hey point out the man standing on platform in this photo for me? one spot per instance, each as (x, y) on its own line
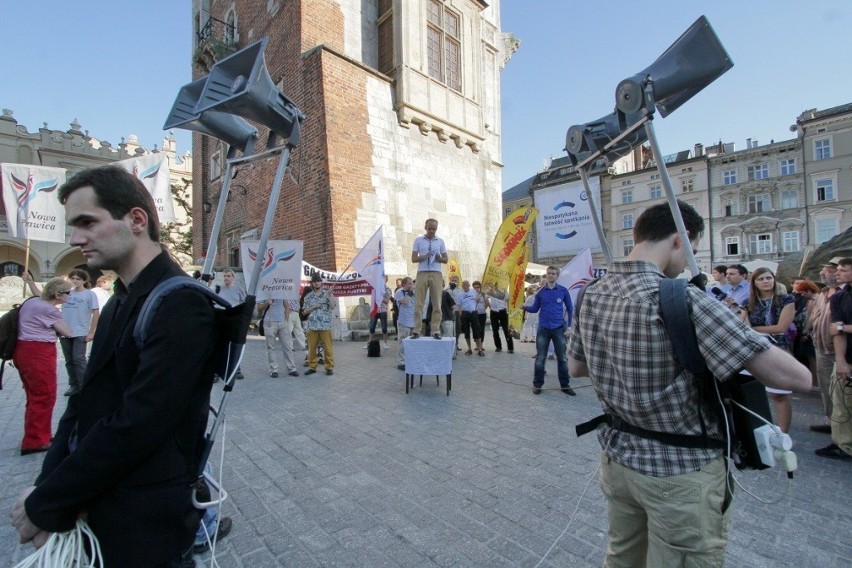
(429, 252)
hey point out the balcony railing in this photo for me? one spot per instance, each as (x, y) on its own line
(216, 39)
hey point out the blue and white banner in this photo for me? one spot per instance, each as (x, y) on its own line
(33, 210)
(280, 273)
(564, 225)
(153, 171)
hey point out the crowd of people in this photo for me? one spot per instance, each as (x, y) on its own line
(94, 461)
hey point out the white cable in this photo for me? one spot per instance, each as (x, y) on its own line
(765, 501)
(66, 550)
(728, 453)
(576, 507)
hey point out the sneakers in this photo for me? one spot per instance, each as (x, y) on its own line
(569, 391)
(499, 349)
(223, 529)
(329, 372)
(240, 376)
(536, 390)
(294, 373)
(310, 371)
(832, 451)
(482, 353)
(385, 345)
(414, 336)
(510, 351)
(274, 374)
(436, 336)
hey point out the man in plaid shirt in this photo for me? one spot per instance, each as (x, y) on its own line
(665, 503)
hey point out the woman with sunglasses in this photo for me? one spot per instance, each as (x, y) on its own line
(39, 323)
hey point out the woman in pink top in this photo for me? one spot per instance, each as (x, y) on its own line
(35, 358)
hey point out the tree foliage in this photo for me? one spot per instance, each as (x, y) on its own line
(177, 235)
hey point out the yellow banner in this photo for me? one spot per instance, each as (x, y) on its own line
(454, 270)
(507, 250)
(516, 291)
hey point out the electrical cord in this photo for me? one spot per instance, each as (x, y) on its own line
(67, 550)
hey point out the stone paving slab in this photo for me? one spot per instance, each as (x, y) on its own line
(348, 470)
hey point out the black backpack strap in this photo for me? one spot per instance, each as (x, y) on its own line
(680, 440)
(155, 298)
(675, 311)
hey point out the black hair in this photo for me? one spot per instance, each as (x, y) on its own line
(656, 223)
(116, 190)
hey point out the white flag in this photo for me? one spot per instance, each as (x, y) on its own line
(370, 263)
(280, 273)
(33, 210)
(153, 171)
(577, 274)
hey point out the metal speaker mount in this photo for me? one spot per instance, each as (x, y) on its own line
(693, 61)
(241, 85)
(583, 140)
(233, 130)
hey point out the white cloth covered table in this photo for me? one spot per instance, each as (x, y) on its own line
(429, 356)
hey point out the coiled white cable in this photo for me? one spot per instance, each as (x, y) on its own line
(67, 550)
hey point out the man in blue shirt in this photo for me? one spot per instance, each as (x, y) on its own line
(554, 305)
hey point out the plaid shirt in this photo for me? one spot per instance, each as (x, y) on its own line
(620, 336)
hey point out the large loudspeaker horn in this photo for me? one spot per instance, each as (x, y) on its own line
(691, 63)
(583, 140)
(232, 130)
(240, 84)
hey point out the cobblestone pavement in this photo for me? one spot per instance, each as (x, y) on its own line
(348, 470)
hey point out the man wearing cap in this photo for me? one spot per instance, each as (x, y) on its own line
(823, 340)
(317, 307)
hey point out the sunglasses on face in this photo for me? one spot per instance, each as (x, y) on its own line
(65, 292)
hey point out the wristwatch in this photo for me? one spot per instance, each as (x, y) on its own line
(840, 327)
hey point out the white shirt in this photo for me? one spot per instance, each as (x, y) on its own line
(422, 246)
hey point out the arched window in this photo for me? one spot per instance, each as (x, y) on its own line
(11, 269)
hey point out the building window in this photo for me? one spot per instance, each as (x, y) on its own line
(788, 167)
(627, 196)
(625, 182)
(760, 244)
(507, 211)
(655, 176)
(215, 165)
(627, 221)
(789, 199)
(385, 23)
(825, 190)
(822, 149)
(760, 171)
(732, 208)
(687, 184)
(656, 191)
(758, 203)
(443, 44)
(732, 246)
(230, 36)
(729, 177)
(825, 230)
(627, 246)
(791, 241)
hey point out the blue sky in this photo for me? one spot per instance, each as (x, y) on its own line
(117, 66)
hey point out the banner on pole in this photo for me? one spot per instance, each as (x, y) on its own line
(577, 274)
(506, 249)
(565, 225)
(33, 210)
(370, 263)
(516, 291)
(454, 270)
(280, 276)
(153, 171)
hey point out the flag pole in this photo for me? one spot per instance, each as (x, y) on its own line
(348, 266)
(26, 266)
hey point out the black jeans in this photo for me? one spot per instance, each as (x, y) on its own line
(500, 320)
